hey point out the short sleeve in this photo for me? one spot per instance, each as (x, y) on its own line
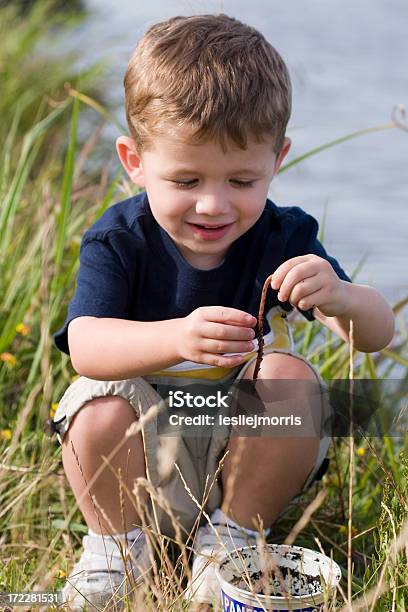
(102, 288)
(302, 240)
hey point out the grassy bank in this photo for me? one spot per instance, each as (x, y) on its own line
(48, 196)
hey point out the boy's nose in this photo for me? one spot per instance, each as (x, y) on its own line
(214, 204)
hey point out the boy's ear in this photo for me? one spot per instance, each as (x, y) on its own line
(282, 154)
(130, 159)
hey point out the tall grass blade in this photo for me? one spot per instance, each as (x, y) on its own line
(337, 141)
(63, 217)
(30, 147)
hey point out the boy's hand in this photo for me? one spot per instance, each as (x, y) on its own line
(210, 331)
(309, 281)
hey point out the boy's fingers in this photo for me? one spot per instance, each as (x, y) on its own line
(218, 331)
(223, 361)
(220, 347)
(229, 316)
(284, 269)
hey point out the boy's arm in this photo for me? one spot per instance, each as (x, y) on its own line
(117, 349)
(373, 319)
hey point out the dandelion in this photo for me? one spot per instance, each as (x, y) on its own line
(61, 574)
(8, 358)
(5, 434)
(23, 329)
(361, 451)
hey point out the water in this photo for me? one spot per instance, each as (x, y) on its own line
(348, 63)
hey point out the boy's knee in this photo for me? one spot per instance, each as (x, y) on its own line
(286, 378)
(104, 414)
(283, 366)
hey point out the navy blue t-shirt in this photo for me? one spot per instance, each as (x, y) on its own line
(131, 269)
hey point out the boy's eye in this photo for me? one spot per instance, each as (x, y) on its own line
(243, 183)
(186, 184)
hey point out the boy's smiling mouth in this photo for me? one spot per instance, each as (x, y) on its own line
(210, 231)
(209, 225)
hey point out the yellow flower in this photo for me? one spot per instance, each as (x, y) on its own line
(343, 529)
(61, 574)
(53, 409)
(361, 451)
(8, 358)
(23, 329)
(5, 434)
(74, 245)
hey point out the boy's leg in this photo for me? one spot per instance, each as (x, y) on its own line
(261, 475)
(270, 471)
(94, 432)
(158, 452)
(91, 420)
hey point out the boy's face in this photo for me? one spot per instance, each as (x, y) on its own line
(204, 198)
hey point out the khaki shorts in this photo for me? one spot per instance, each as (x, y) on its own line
(196, 457)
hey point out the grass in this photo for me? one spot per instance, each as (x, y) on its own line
(49, 193)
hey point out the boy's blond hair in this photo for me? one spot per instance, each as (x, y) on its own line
(210, 73)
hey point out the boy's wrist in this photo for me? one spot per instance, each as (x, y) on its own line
(175, 333)
(353, 298)
(342, 303)
(165, 342)
(349, 300)
(356, 295)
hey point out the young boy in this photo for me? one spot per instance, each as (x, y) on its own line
(169, 285)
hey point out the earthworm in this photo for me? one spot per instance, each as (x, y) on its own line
(259, 356)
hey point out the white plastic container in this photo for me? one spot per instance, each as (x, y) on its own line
(308, 576)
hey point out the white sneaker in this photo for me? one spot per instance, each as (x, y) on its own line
(99, 576)
(209, 546)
